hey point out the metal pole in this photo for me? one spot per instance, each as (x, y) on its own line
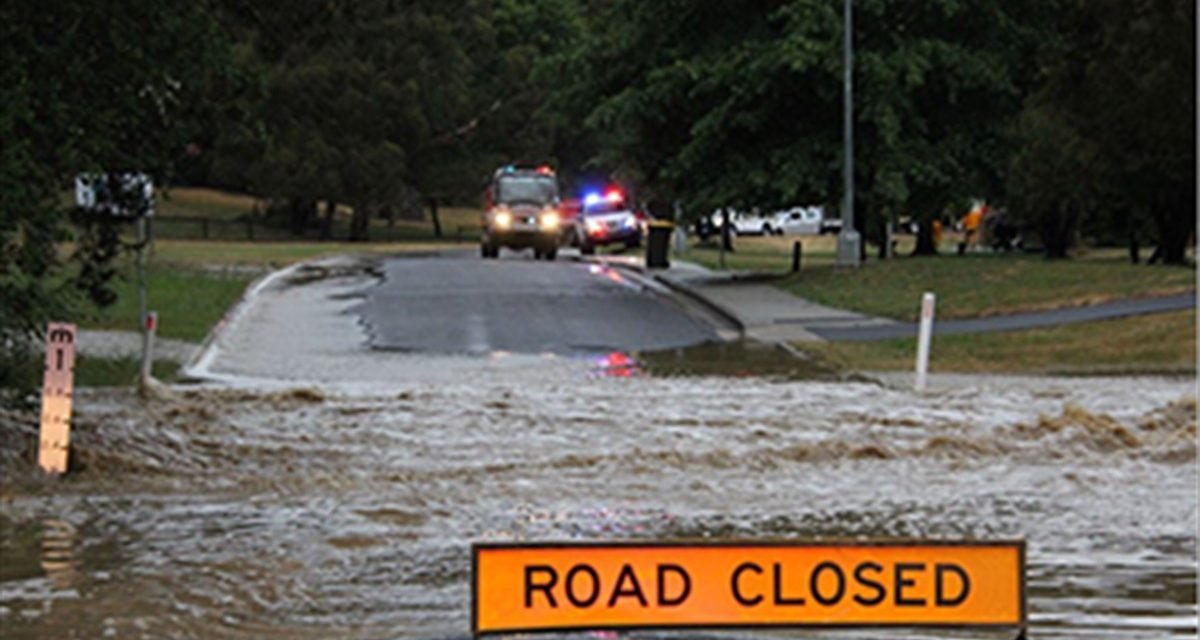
(848, 238)
(797, 248)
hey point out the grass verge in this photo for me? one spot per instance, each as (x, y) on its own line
(1160, 343)
(120, 372)
(201, 213)
(970, 286)
(984, 285)
(189, 300)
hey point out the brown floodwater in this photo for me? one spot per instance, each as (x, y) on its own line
(266, 511)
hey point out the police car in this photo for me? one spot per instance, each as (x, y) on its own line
(607, 218)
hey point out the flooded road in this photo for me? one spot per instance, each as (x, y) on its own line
(328, 489)
(292, 513)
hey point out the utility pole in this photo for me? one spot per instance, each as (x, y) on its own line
(848, 254)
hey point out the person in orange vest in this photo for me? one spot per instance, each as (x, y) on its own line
(971, 224)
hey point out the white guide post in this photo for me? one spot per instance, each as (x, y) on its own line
(924, 335)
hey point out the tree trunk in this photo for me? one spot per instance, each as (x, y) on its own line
(925, 245)
(360, 224)
(726, 231)
(433, 215)
(327, 225)
(1175, 230)
(1058, 228)
(300, 215)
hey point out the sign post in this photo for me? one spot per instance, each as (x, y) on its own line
(522, 588)
(924, 336)
(58, 385)
(149, 328)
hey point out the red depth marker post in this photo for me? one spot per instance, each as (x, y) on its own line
(58, 385)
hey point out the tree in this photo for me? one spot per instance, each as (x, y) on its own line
(1118, 96)
(85, 87)
(384, 105)
(740, 104)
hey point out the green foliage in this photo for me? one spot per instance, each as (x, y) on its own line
(86, 87)
(382, 105)
(741, 103)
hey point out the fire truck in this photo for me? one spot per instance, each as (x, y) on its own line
(522, 212)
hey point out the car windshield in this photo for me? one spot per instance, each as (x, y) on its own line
(604, 207)
(538, 190)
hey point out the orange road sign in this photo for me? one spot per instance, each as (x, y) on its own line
(565, 586)
(58, 385)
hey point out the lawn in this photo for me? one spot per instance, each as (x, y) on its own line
(1161, 343)
(982, 285)
(269, 255)
(967, 286)
(189, 300)
(201, 213)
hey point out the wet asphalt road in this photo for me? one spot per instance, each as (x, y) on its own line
(463, 304)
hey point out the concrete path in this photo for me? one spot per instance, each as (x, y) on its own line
(770, 314)
(761, 311)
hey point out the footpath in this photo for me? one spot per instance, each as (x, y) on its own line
(767, 313)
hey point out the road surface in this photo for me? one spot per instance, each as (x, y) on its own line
(460, 304)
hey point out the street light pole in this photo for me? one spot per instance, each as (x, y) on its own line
(849, 249)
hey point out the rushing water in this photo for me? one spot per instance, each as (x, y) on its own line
(290, 512)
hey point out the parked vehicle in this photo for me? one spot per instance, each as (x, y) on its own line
(806, 221)
(608, 219)
(799, 221)
(522, 212)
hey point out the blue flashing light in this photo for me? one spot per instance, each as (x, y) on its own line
(591, 199)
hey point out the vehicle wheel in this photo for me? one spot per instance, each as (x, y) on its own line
(488, 251)
(777, 231)
(587, 249)
(633, 244)
(551, 254)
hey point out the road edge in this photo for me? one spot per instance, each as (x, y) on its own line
(714, 308)
(196, 368)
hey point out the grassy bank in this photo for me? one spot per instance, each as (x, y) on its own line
(967, 286)
(189, 300)
(201, 213)
(983, 285)
(1161, 343)
(119, 372)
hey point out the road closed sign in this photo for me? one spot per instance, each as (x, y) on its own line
(569, 586)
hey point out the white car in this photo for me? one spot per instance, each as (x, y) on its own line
(805, 221)
(745, 224)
